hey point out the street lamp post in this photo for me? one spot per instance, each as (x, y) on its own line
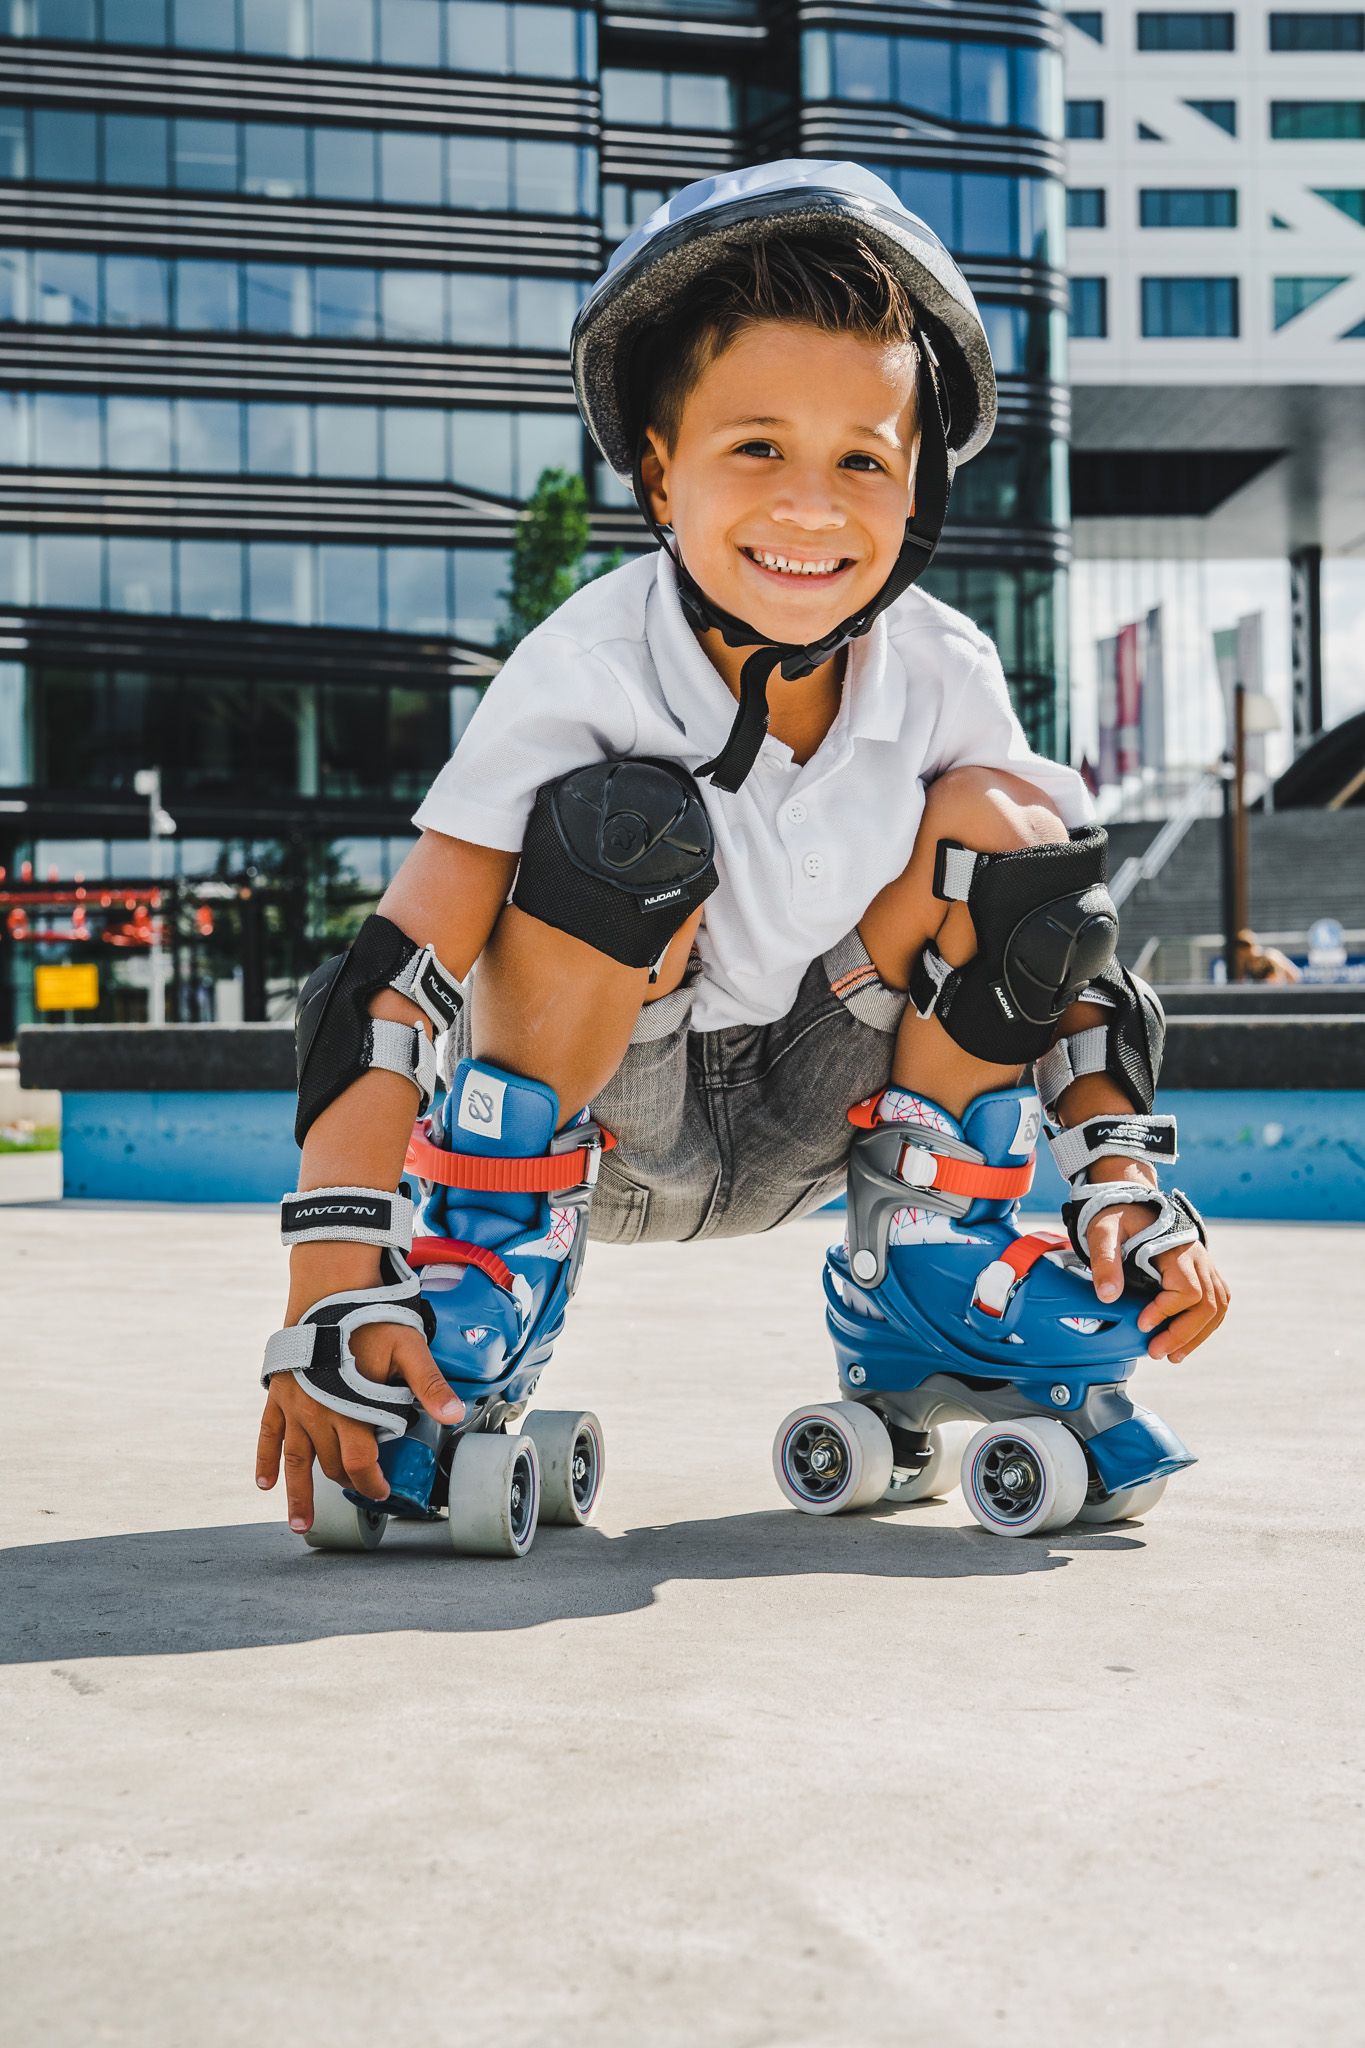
(1252, 712)
(160, 824)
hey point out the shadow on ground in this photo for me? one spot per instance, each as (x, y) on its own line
(180, 1591)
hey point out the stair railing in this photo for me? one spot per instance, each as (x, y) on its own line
(1145, 867)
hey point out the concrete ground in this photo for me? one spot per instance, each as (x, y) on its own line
(710, 1773)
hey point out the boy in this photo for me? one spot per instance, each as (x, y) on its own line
(787, 364)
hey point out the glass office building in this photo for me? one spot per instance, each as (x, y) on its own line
(285, 292)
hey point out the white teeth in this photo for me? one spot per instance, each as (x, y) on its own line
(795, 568)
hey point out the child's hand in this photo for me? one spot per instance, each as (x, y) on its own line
(301, 1429)
(1194, 1295)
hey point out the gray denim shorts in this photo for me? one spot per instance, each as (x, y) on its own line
(720, 1133)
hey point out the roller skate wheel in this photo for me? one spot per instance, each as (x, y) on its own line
(1129, 1503)
(338, 1524)
(832, 1457)
(569, 1445)
(494, 1495)
(1023, 1478)
(937, 1479)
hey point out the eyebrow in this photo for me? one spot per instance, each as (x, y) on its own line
(756, 419)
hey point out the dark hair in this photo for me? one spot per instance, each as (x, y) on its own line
(841, 287)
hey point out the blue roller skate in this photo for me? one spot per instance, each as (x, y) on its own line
(945, 1315)
(499, 1246)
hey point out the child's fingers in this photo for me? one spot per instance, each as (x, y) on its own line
(1183, 1332)
(422, 1374)
(1182, 1284)
(269, 1444)
(1215, 1290)
(298, 1477)
(359, 1455)
(1106, 1261)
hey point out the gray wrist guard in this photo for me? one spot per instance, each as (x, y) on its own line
(1177, 1222)
(318, 1351)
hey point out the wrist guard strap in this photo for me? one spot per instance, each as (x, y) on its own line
(347, 1216)
(1076, 1150)
(318, 1352)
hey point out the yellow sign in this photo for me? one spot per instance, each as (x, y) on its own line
(75, 986)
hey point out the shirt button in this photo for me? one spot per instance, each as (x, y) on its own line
(814, 865)
(796, 814)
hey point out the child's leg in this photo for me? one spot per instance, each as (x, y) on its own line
(555, 1009)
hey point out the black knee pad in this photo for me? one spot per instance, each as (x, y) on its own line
(1045, 925)
(335, 1038)
(618, 854)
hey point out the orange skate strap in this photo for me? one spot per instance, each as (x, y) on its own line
(950, 1176)
(453, 1251)
(986, 1183)
(545, 1175)
(995, 1284)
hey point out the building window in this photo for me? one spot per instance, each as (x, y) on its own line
(977, 85)
(1294, 295)
(500, 453)
(1348, 200)
(1171, 206)
(525, 37)
(1026, 341)
(1317, 120)
(1089, 21)
(1089, 308)
(1085, 120)
(276, 160)
(1159, 30)
(1190, 308)
(983, 213)
(1317, 31)
(79, 288)
(1085, 206)
(668, 99)
(1222, 113)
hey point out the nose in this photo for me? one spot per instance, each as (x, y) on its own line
(807, 501)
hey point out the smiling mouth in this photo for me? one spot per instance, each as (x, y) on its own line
(792, 569)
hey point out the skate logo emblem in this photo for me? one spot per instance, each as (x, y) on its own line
(1029, 1125)
(481, 1100)
(1003, 1000)
(664, 896)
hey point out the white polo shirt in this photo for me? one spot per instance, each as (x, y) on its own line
(800, 850)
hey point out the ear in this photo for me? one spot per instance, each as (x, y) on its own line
(654, 473)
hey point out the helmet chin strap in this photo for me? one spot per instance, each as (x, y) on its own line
(932, 483)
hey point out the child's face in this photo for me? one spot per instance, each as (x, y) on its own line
(797, 444)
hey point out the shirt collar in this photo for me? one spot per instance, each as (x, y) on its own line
(695, 694)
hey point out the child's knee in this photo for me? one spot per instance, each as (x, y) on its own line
(990, 811)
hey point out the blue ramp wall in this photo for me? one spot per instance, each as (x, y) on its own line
(1270, 1153)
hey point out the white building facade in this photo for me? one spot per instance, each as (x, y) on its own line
(1216, 252)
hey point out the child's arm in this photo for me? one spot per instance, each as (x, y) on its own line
(448, 895)
(1194, 1296)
